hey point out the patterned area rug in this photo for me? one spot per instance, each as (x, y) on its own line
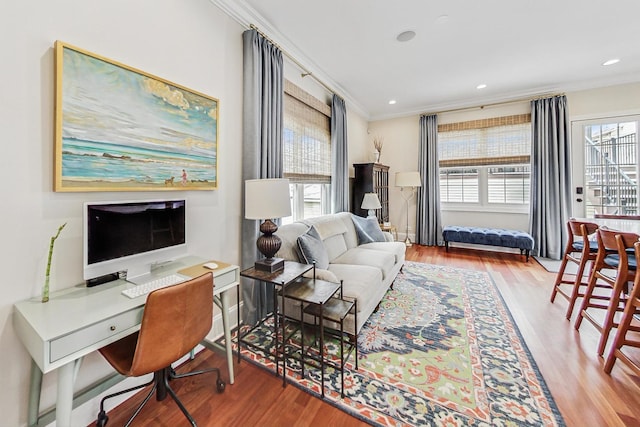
(442, 350)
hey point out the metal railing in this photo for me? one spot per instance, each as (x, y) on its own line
(608, 166)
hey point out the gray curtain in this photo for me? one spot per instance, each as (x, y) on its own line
(550, 176)
(263, 88)
(339, 157)
(428, 217)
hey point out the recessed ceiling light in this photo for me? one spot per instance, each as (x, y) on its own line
(442, 19)
(393, 101)
(405, 36)
(481, 86)
(611, 62)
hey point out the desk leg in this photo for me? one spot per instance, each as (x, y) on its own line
(64, 401)
(238, 334)
(35, 388)
(224, 297)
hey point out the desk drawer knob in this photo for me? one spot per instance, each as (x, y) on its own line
(112, 328)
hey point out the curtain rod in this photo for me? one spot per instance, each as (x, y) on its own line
(305, 72)
(494, 104)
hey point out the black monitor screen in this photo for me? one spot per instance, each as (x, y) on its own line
(122, 229)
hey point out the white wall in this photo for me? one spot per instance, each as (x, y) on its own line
(604, 102)
(400, 152)
(596, 104)
(191, 43)
(401, 138)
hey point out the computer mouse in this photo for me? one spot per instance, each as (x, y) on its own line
(210, 265)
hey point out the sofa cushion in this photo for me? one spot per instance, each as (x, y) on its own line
(367, 229)
(357, 282)
(378, 259)
(330, 228)
(335, 246)
(398, 249)
(311, 249)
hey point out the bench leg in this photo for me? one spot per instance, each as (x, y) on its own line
(527, 255)
(446, 246)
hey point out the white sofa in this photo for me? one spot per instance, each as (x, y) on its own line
(367, 270)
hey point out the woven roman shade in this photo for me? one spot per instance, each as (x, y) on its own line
(495, 141)
(307, 137)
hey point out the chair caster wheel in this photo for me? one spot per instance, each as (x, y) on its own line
(220, 386)
(102, 419)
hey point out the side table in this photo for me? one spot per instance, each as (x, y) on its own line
(314, 293)
(291, 273)
(334, 310)
(391, 229)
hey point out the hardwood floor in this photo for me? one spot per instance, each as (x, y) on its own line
(567, 359)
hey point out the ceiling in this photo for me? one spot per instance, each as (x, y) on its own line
(518, 48)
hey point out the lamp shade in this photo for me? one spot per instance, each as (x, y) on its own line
(371, 201)
(408, 179)
(266, 198)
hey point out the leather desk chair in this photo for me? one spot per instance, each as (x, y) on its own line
(580, 250)
(174, 321)
(621, 339)
(614, 248)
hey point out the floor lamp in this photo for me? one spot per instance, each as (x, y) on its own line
(408, 181)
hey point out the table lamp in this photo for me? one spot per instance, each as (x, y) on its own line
(408, 180)
(371, 202)
(267, 199)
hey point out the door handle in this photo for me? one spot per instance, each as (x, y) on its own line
(579, 200)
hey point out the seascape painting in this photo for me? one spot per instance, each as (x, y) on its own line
(119, 129)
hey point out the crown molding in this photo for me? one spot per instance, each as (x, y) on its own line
(246, 16)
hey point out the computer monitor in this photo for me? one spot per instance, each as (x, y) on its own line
(132, 236)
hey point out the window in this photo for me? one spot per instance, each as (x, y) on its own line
(307, 153)
(485, 162)
(611, 166)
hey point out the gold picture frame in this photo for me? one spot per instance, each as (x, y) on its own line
(121, 129)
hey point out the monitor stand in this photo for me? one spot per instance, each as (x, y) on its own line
(140, 274)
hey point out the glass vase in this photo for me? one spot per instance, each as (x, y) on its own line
(45, 289)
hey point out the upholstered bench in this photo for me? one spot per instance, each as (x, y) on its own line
(488, 236)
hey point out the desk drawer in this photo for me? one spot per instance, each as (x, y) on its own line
(93, 334)
(225, 279)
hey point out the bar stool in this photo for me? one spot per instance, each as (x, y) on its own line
(621, 340)
(613, 253)
(580, 242)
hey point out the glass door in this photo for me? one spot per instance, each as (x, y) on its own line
(610, 166)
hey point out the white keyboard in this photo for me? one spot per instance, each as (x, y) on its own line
(152, 285)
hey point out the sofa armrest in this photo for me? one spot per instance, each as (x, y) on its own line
(322, 274)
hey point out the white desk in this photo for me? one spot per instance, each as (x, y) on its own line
(79, 320)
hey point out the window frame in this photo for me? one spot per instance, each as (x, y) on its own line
(299, 179)
(484, 164)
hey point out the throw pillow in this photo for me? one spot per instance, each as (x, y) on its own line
(311, 248)
(367, 229)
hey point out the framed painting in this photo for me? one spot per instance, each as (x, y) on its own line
(121, 129)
